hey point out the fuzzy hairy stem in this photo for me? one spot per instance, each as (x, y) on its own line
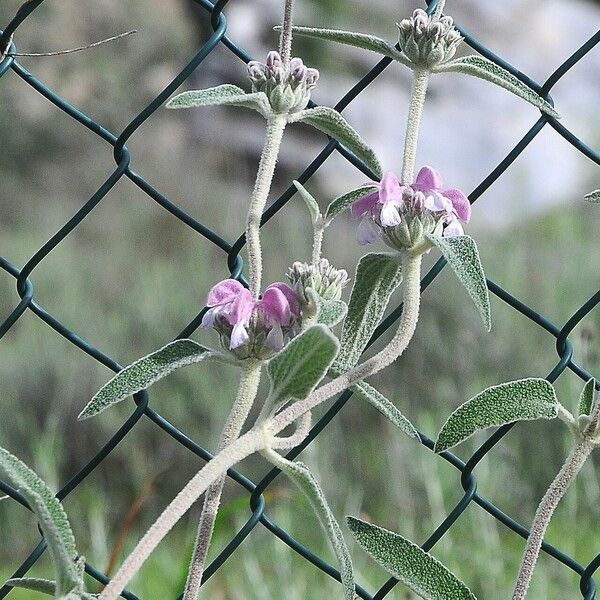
(262, 187)
(415, 113)
(319, 230)
(411, 271)
(576, 459)
(285, 39)
(242, 405)
(249, 443)
(437, 13)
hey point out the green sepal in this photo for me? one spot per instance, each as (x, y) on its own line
(522, 400)
(301, 475)
(417, 569)
(586, 400)
(330, 122)
(462, 255)
(377, 276)
(52, 519)
(376, 399)
(144, 372)
(302, 364)
(347, 200)
(311, 204)
(222, 95)
(483, 68)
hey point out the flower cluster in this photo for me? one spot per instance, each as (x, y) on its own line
(401, 215)
(252, 328)
(327, 281)
(287, 86)
(428, 41)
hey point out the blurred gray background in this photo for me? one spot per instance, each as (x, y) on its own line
(132, 276)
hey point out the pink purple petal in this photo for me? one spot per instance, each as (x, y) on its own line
(274, 338)
(275, 304)
(365, 205)
(224, 292)
(241, 308)
(290, 295)
(389, 216)
(239, 336)
(436, 202)
(428, 179)
(367, 232)
(460, 203)
(390, 189)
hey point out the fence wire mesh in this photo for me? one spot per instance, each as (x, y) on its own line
(143, 410)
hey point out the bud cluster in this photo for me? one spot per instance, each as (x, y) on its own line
(287, 86)
(327, 281)
(428, 41)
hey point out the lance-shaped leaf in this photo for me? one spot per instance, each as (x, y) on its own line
(357, 40)
(385, 407)
(347, 200)
(483, 68)
(418, 570)
(52, 519)
(144, 372)
(300, 474)
(329, 312)
(522, 400)
(586, 400)
(330, 122)
(302, 364)
(593, 196)
(377, 276)
(45, 586)
(462, 255)
(311, 203)
(227, 95)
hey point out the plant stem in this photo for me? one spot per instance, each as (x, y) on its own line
(264, 178)
(411, 271)
(249, 443)
(576, 459)
(246, 395)
(415, 113)
(319, 230)
(285, 40)
(437, 13)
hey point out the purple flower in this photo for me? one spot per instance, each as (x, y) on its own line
(394, 203)
(234, 313)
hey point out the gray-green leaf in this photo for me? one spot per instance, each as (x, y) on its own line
(331, 312)
(479, 66)
(302, 364)
(593, 196)
(385, 407)
(358, 40)
(586, 400)
(343, 202)
(311, 203)
(418, 570)
(522, 400)
(304, 479)
(52, 518)
(45, 586)
(462, 255)
(144, 372)
(330, 122)
(227, 94)
(377, 276)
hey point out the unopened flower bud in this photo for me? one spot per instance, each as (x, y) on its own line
(327, 281)
(312, 76)
(273, 59)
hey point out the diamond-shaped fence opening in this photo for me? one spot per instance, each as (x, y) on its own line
(27, 300)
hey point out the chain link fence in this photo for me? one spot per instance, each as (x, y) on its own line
(231, 252)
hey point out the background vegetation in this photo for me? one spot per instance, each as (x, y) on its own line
(131, 277)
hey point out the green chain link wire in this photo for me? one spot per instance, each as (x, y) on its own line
(235, 266)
